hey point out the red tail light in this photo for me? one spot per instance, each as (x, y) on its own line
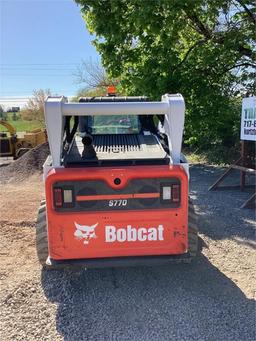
(58, 197)
(176, 193)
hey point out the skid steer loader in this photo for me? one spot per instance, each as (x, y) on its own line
(117, 189)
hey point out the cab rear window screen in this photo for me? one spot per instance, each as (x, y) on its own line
(112, 124)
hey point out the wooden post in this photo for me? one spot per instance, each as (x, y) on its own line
(242, 173)
(247, 161)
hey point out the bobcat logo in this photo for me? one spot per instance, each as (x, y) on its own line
(85, 232)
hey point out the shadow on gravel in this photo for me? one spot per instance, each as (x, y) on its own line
(219, 212)
(176, 302)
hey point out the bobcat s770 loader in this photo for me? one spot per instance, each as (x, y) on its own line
(116, 184)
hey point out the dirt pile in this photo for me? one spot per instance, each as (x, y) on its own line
(27, 165)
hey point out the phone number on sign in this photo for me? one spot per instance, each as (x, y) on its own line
(249, 123)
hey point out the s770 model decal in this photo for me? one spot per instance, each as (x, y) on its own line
(117, 203)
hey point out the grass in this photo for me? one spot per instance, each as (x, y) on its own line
(215, 155)
(21, 125)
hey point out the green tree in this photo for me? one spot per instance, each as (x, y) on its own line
(204, 49)
(15, 116)
(94, 80)
(1, 112)
(34, 109)
(93, 75)
(3, 115)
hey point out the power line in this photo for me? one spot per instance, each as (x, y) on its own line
(43, 75)
(18, 99)
(14, 97)
(30, 91)
(39, 64)
(30, 94)
(40, 69)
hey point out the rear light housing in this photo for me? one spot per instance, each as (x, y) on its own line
(63, 197)
(176, 193)
(167, 193)
(66, 196)
(170, 193)
(58, 197)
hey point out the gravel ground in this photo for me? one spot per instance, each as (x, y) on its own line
(211, 299)
(25, 166)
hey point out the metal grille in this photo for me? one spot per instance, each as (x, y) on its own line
(116, 143)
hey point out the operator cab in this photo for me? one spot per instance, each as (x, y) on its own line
(117, 140)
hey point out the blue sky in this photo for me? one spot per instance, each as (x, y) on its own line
(41, 44)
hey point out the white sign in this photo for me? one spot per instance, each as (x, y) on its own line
(248, 120)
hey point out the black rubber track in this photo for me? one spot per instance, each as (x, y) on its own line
(41, 235)
(192, 231)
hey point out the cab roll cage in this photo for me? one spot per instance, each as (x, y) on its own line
(58, 114)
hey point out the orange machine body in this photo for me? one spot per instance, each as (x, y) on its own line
(115, 230)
